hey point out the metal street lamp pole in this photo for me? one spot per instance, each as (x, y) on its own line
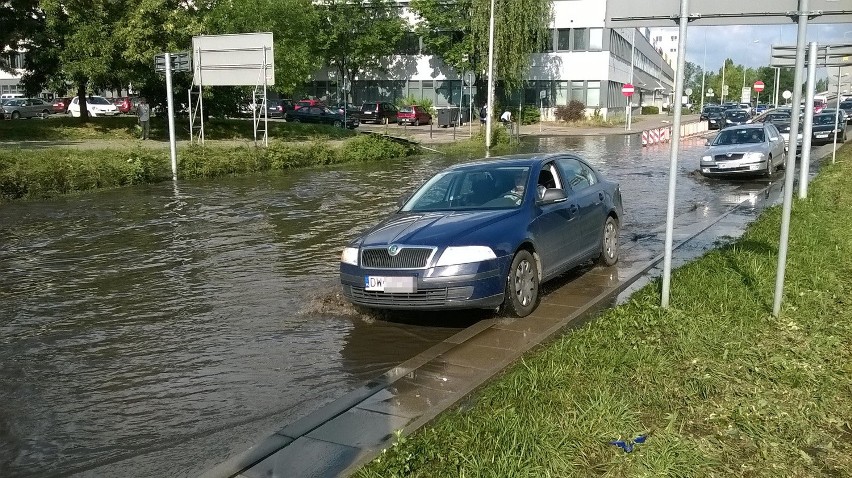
(703, 72)
(490, 98)
(722, 99)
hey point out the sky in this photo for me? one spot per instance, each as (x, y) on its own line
(751, 45)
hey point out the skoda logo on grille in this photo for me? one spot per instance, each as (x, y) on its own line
(730, 154)
(393, 249)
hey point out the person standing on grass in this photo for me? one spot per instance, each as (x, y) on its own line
(144, 113)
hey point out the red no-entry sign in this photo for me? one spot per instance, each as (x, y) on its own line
(758, 86)
(627, 89)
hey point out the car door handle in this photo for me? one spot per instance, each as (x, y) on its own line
(573, 209)
(600, 196)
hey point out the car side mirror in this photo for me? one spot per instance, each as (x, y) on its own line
(707, 143)
(552, 195)
(773, 138)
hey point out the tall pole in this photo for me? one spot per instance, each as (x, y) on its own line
(675, 144)
(790, 167)
(489, 111)
(171, 107)
(632, 66)
(836, 111)
(703, 72)
(722, 99)
(810, 89)
(777, 86)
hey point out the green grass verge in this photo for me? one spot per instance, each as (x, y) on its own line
(125, 127)
(40, 173)
(720, 387)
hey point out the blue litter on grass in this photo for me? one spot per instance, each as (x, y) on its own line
(627, 445)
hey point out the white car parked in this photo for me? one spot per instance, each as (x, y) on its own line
(97, 106)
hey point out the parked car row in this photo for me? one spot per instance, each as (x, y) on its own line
(378, 112)
(16, 108)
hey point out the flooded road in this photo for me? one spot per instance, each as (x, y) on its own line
(163, 329)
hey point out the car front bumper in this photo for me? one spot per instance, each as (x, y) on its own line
(479, 285)
(732, 167)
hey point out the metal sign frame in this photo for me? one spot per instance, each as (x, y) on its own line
(833, 54)
(629, 13)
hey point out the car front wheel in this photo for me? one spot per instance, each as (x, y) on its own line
(770, 167)
(521, 286)
(338, 124)
(609, 243)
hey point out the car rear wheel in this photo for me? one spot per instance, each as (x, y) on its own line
(297, 120)
(16, 115)
(521, 296)
(609, 243)
(416, 122)
(45, 114)
(338, 124)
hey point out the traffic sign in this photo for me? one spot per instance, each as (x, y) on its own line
(181, 61)
(688, 91)
(709, 91)
(627, 90)
(786, 95)
(724, 90)
(758, 86)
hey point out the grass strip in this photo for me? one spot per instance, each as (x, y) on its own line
(65, 128)
(718, 386)
(46, 172)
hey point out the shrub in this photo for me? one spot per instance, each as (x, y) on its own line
(426, 103)
(499, 135)
(530, 115)
(368, 147)
(650, 110)
(573, 111)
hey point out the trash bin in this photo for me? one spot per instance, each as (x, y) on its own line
(448, 117)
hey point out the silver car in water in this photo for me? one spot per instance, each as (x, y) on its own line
(749, 149)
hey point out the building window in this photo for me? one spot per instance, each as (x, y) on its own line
(596, 39)
(563, 41)
(593, 94)
(562, 93)
(578, 92)
(409, 44)
(581, 39)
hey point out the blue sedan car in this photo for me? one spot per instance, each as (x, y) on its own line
(485, 235)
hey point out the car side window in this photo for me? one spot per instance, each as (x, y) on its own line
(577, 174)
(315, 111)
(548, 178)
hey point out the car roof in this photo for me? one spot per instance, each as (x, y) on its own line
(527, 159)
(747, 126)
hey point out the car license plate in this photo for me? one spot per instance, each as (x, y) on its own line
(724, 165)
(390, 284)
(822, 135)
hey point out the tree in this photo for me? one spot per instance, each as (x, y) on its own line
(19, 19)
(457, 32)
(356, 36)
(294, 27)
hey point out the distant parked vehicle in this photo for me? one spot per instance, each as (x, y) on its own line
(846, 105)
(126, 104)
(278, 108)
(307, 102)
(715, 116)
(96, 105)
(60, 105)
(26, 108)
(378, 112)
(413, 115)
(320, 115)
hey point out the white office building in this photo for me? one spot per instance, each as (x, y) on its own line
(583, 61)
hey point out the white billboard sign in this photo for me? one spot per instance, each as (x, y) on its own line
(233, 60)
(662, 13)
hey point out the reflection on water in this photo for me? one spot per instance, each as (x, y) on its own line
(164, 328)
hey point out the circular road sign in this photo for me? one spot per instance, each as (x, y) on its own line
(688, 91)
(709, 91)
(758, 86)
(627, 89)
(786, 95)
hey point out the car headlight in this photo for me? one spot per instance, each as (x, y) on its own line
(753, 156)
(707, 158)
(465, 255)
(349, 256)
(728, 121)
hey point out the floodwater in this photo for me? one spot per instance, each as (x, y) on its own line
(162, 329)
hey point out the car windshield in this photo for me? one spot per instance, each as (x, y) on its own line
(739, 136)
(370, 106)
(824, 119)
(778, 118)
(97, 100)
(485, 187)
(737, 115)
(406, 109)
